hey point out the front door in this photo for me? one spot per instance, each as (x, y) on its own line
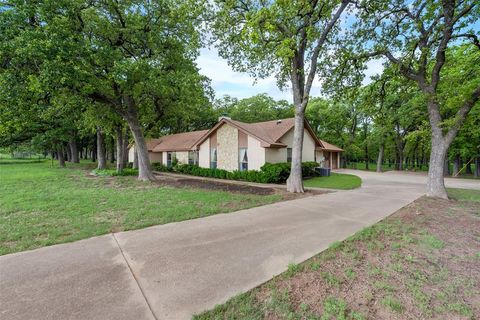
(334, 160)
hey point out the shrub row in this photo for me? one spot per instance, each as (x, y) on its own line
(269, 172)
(157, 166)
(247, 175)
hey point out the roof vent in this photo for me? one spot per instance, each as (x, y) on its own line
(279, 121)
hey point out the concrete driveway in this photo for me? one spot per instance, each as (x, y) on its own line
(176, 270)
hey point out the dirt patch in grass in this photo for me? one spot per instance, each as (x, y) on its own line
(213, 185)
(423, 262)
(180, 182)
(206, 184)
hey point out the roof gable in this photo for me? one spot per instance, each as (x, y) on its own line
(330, 147)
(152, 143)
(269, 133)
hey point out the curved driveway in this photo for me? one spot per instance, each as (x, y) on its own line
(175, 270)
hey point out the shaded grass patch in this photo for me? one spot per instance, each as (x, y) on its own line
(43, 205)
(340, 181)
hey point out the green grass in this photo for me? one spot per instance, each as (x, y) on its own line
(464, 194)
(5, 161)
(415, 274)
(41, 205)
(335, 181)
(393, 304)
(431, 241)
(372, 166)
(114, 173)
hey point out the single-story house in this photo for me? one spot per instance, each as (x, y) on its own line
(234, 145)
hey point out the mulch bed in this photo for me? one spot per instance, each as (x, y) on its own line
(213, 185)
(181, 182)
(186, 182)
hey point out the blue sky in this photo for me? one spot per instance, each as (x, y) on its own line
(225, 81)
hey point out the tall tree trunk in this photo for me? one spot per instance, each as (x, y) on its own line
(476, 173)
(398, 158)
(380, 157)
(365, 141)
(125, 147)
(120, 153)
(94, 149)
(102, 161)
(69, 154)
(145, 172)
(456, 165)
(468, 169)
(446, 167)
(366, 159)
(112, 150)
(295, 180)
(74, 151)
(440, 141)
(135, 159)
(60, 155)
(435, 181)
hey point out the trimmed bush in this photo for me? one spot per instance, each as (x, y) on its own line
(157, 166)
(276, 172)
(308, 169)
(269, 172)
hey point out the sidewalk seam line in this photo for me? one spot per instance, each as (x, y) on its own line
(134, 277)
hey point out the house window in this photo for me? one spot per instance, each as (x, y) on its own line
(213, 158)
(171, 156)
(193, 157)
(289, 154)
(243, 159)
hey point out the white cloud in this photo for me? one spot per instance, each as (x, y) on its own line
(218, 70)
(237, 84)
(225, 81)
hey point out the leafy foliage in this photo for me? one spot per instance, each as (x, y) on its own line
(258, 108)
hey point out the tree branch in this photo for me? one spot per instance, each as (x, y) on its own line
(448, 12)
(462, 113)
(318, 46)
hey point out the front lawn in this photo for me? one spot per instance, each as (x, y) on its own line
(41, 205)
(423, 262)
(335, 181)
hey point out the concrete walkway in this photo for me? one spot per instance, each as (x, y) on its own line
(176, 270)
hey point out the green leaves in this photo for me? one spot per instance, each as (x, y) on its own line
(69, 64)
(262, 38)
